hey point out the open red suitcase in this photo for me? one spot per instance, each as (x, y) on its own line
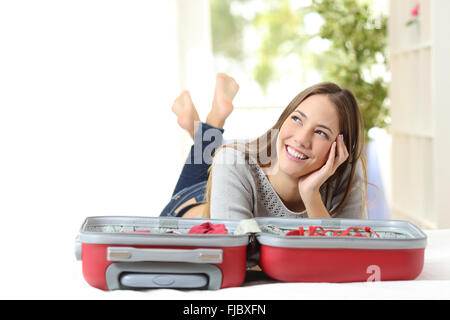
(395, 251)
(145, 252)
(139, 252)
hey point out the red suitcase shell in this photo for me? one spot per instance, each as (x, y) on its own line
(136, 253)
(398, 253)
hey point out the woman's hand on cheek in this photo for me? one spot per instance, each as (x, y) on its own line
(309, 184)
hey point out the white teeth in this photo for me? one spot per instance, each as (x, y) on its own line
(295, 153)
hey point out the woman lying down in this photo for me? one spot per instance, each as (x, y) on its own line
(308, 165)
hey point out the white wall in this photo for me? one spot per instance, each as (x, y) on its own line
(85, 123)
(195, 61)
(86, 93)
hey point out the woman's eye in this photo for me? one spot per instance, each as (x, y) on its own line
(296, 119)
(322, 133)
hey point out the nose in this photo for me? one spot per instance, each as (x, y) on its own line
(303, 139)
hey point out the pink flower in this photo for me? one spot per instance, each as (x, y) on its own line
(415, 10)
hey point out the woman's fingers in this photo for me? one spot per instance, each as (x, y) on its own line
(344, 149)
(342, 153)
(332, 156)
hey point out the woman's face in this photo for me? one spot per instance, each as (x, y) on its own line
(306, 136)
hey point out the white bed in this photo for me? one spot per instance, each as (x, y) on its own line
(49, 270)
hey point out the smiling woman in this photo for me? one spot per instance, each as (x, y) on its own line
(309, 164)
(314, 169)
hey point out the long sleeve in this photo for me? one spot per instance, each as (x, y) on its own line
(231, 190)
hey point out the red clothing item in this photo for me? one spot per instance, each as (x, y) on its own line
(319, 231)
(209, 228)
(296, 232)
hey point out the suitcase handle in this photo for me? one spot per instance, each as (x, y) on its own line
(125, 274)
(131, 254)
(163, 280)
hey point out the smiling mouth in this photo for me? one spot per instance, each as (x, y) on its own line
(295, 155)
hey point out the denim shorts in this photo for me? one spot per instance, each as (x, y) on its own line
(185, 199)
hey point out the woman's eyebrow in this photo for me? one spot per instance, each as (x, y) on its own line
(319, 125)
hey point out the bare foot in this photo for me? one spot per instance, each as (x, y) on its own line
(226, 89)
(185, 110)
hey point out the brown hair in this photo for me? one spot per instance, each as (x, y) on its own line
(350, 124)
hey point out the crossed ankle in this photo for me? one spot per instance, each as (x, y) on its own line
(215, 121)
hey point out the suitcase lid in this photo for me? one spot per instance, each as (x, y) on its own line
(394, 234)
(133, 231)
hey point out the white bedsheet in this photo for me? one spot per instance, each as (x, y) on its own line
(53, 273)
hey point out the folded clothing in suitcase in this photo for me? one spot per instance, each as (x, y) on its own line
(146, 252)
(140, 252)
(345, 250)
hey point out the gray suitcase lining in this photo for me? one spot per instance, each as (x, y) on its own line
(163, 231)
(153, 225)
(132, 229)
(271, 229)
(155, 228)
(384, 234)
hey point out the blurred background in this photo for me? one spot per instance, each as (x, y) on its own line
(86, 89)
